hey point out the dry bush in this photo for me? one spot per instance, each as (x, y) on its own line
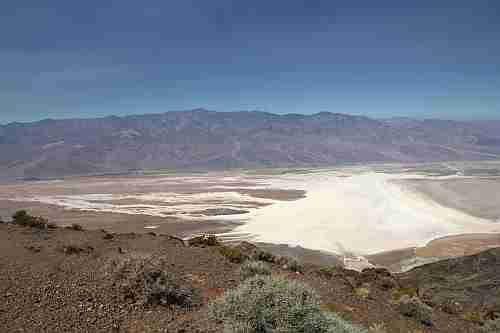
(491, 326)
(161, 288)
(204, 240)
(24, 219)
(146, 281)
(233, 254)
(269, 304)
(75, 227)
(265, 256)
(413, 307)
(252, 268)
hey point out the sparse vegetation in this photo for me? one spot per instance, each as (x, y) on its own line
(452, 307)
(362, 292)
(233, 254)
(24, 219)
(295, 266)
(73, 249)
(413, 307)
(108, 236)
(204, 240)
(491, 326)
(274, 304)
(398, 293)
(265, 256)
(328, 271)
(161, 288)
(252, 268)
(473, 317)
(75, 227)
(377, 328)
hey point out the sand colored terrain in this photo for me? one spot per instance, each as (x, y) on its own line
(460, 245)
(364, 213)
(475, 196)
(98, 286)
(386, 211)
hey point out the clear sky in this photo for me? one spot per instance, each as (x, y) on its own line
(62, 59)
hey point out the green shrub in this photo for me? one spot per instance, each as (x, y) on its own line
(204, 240)
(473, 316)
(328, 271)
(415, 308)
(264, 256)
(267, 304)
(491, 326)
(75, 227)
(232, 254)
(295, 266)
(24, 219)
(161, 288)
(75, 249)
(251, 268)
(398, 293)
(363, 291)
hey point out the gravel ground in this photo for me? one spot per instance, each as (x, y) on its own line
(63, 280)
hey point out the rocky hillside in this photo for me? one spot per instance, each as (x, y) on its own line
(201, 139)
(55, 279)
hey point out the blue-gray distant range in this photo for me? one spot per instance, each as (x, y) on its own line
(201, 139)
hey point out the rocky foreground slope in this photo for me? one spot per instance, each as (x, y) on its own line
(55, 279)
(202, 139)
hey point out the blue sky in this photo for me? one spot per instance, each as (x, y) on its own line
(62, 59)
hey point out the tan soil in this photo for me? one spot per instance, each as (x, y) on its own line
(457, 246)
(475, 196)
(43, 289)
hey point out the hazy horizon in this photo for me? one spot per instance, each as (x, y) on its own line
(101, 58)
(261, 111)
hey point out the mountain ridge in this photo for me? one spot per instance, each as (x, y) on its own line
(203, 139)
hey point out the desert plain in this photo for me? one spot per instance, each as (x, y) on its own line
(394, 215)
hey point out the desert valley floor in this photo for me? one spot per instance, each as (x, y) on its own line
(398, 216)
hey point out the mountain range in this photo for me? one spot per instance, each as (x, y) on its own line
(201, 139)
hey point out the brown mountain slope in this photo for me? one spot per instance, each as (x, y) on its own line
(64, 280)
(205, 139)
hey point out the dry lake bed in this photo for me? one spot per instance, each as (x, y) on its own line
(398, 216)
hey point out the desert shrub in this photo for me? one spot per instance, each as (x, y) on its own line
(108, 236)
(264, 256)
(452, 307)
(491, 326)
(295, 266)
(473, 316)
(33, 248)
(24, 219)
(204, 240)
(161, 288)
(363, 291)
(398, 293)
(274, 304)
(377, 328)
(232, 254)
(72, 249)
(328, 271)
(415, 308)
(75, 227)
(251, 268)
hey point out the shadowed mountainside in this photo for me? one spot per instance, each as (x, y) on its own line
(206, 139)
